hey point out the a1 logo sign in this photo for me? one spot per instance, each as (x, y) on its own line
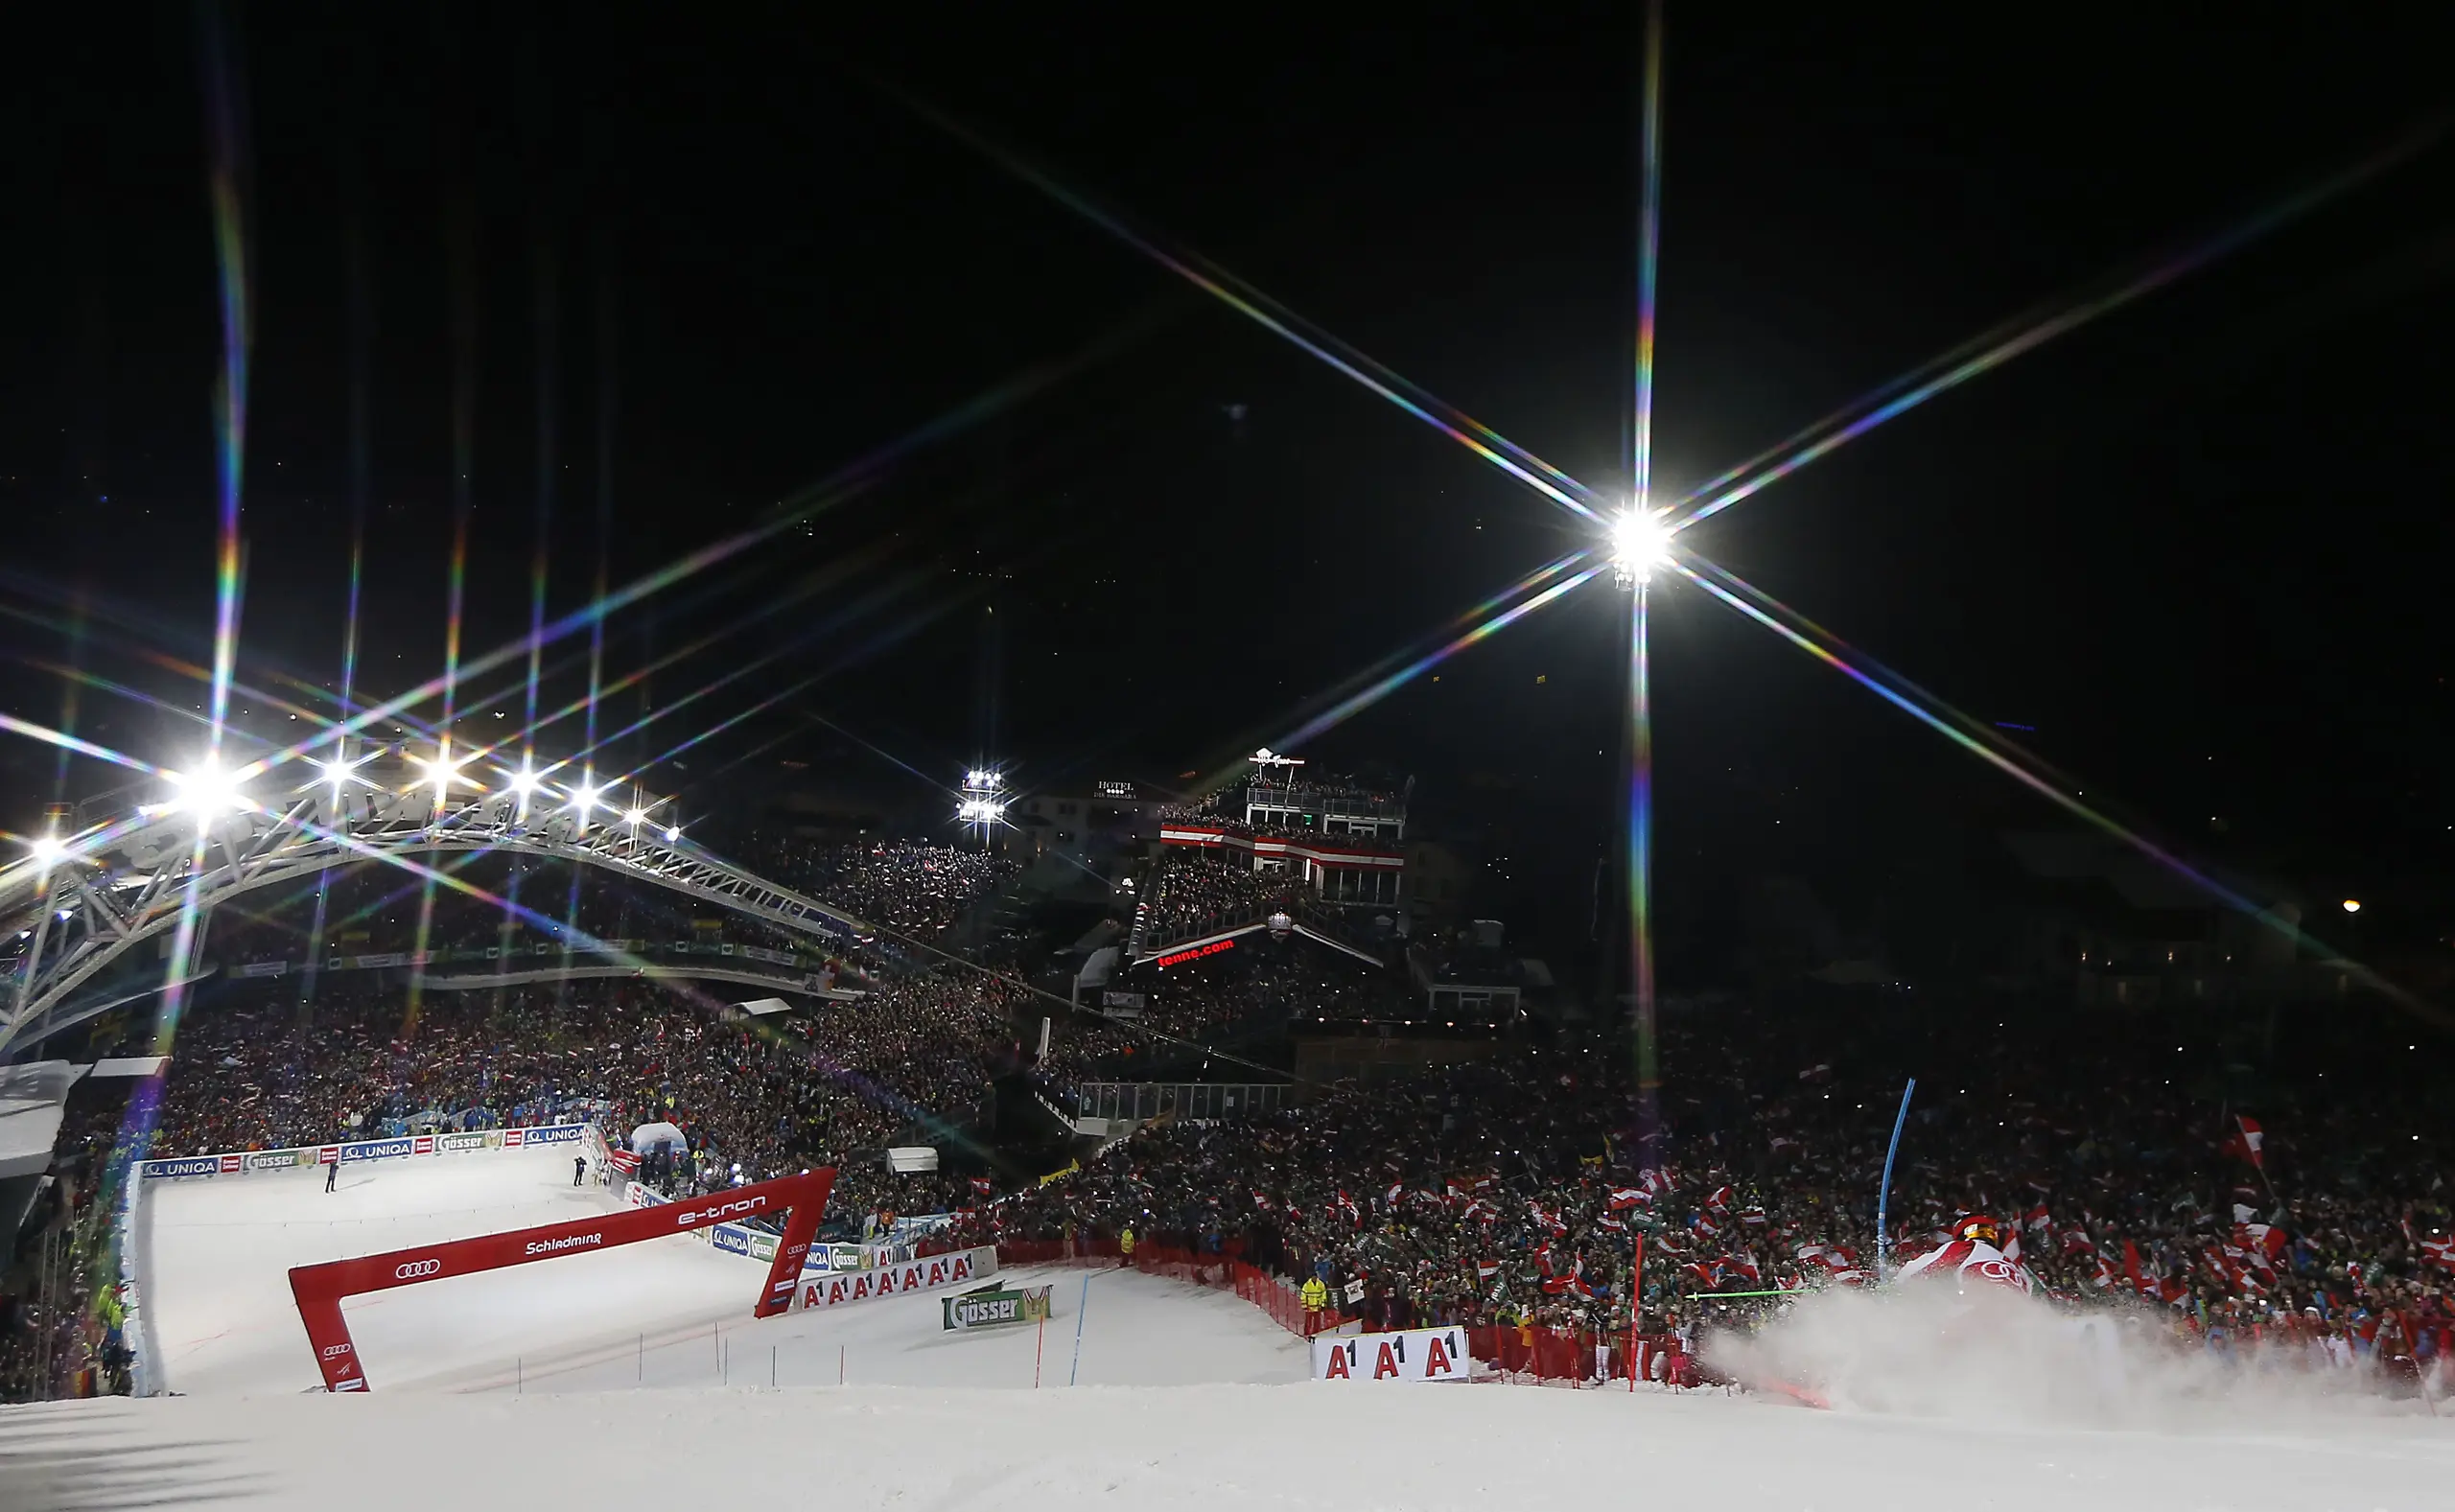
(1432, 1354)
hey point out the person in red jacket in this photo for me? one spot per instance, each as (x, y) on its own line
(1971, 1256)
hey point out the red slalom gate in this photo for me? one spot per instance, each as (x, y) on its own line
(319, 1289)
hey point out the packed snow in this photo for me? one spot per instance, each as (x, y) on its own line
(671, 1313)
(1310, 1446)
(628, 1375)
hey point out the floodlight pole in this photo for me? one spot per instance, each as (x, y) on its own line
(1641, 877)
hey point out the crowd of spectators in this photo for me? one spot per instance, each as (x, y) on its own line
(1517, 1187)
(1254, 992)
(1192, 894)
(757, 1097)
(1512, 1189)
(911, 886)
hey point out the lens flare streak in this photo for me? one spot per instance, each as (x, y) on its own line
(1268, 313)
(1373, 692)
(2036, 334)
(1755, 604)
(1648, 260)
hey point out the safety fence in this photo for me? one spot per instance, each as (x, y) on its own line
(1525, 1352)
(1275, 1295)
(1583, 1358)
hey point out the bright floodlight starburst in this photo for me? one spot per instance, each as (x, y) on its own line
(1640, 543)
(206, 792)
(340, 770)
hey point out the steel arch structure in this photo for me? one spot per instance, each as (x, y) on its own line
(128, 881)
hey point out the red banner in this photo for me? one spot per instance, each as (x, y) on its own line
(319, 1289)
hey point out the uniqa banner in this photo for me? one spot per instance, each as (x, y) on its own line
(993, 1308)
(1419, 1353)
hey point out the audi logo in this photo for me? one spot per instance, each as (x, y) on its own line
(416, 1268)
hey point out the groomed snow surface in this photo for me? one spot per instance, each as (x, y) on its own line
(634, 1374)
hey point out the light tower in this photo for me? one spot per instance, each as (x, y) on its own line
(984, 804)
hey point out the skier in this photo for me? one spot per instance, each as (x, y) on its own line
(1972, 1255)
(330, 1172)
(579, 1169)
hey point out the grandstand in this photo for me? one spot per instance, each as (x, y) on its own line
(1475, 1169)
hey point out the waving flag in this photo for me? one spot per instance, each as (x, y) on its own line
(2262, 1238)
(1624, 1199)
(2250, 1143)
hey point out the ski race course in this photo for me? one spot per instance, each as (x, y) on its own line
(640, 1372)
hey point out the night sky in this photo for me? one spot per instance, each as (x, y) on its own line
(2199, 544)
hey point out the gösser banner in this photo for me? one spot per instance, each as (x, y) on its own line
(319, 1289)
(991, 1307)
(917, 1275)
(1421, 1354)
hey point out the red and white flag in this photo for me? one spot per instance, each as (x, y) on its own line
(1624, 1199)
(2250, 1144)
(2262, 1238)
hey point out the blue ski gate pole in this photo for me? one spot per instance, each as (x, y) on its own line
(1884, 1194)
(1077, 1367)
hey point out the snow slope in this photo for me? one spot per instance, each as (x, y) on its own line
(626, 1376)
(220, 1253)
(1303, 1446)
(671, 1313)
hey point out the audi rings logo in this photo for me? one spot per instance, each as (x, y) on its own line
(334, 1351)
(416, 1268)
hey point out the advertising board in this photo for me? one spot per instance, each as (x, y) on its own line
(837, 1289)
(1419, 1353)
(993, 1309)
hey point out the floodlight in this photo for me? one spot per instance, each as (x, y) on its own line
(207, 792)
(45, 852)
(1639, 544)
(634, 816)
(2352, 905)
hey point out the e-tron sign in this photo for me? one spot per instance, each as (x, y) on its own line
(319, 1289)
(1181, 957)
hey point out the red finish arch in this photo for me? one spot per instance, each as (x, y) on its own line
(321, 1288)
